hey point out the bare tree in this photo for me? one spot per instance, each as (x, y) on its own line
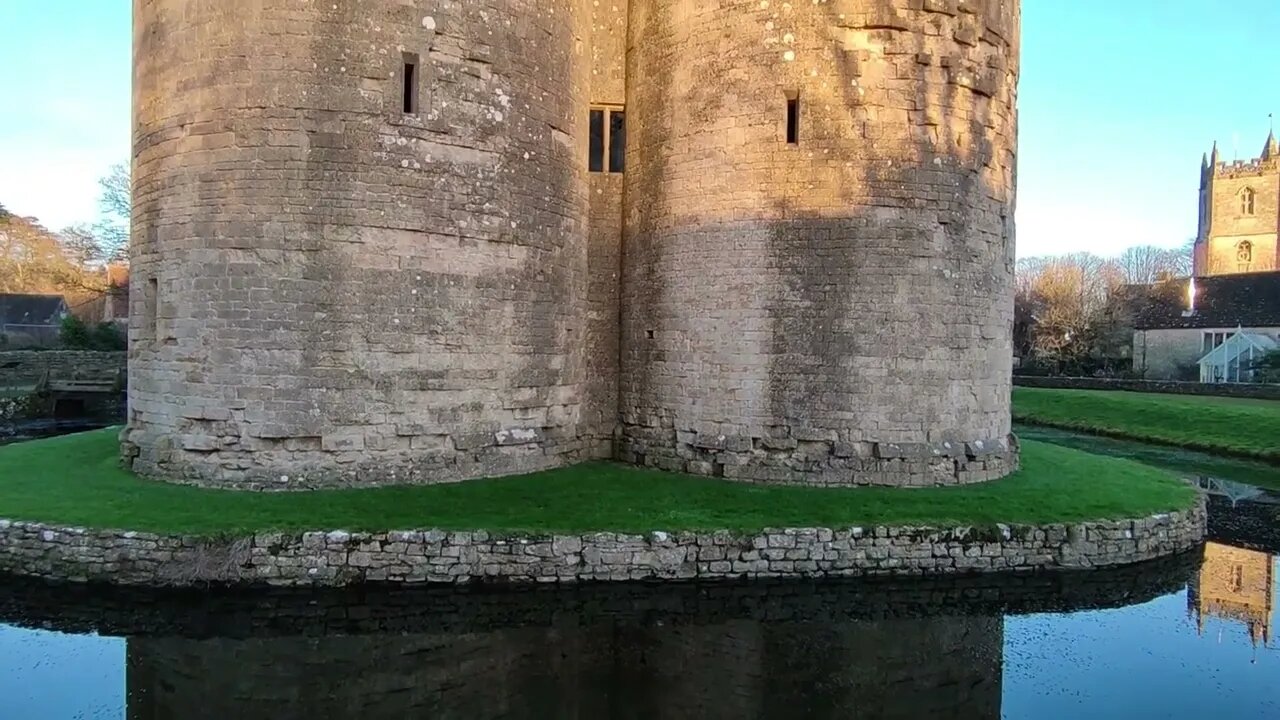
(1146, 264)
(1069, 308)
(115, 204)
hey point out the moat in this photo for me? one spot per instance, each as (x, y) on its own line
(1184, 637)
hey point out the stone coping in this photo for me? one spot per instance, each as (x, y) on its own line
(339, 558)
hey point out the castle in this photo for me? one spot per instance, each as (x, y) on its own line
(414, 241)
(1239, 214)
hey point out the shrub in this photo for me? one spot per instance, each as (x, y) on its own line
(1267, 368)
(77, 335)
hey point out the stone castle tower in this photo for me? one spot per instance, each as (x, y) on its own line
(409, 241)
(1239, 214)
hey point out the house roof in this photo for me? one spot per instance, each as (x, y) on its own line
(31, 309)
(1249, 300)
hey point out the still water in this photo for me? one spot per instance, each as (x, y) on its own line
(1190, 637)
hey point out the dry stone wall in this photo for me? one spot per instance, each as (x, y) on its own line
(27, 367)
(436, 556)
(396, 609)
(835, 310)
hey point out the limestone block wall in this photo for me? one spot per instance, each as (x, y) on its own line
(341, 558)
(332, 290)
(839, 309)
(1229, 223)
(604, 241)
(26, 367)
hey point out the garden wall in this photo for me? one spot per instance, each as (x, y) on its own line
(27, 367)
(342, 558)
(1174, 387)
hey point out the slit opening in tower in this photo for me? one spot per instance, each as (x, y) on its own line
(793, 117)
(409, 93)
(151, 318)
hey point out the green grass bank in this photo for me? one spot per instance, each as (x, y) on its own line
(1227, 426)
(75, 481)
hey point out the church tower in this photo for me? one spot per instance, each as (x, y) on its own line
(1239, 214)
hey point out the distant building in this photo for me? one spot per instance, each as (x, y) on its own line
(1180, 322)
(115, 308)
(1235, 584)
(1239, 214)
(31, 319)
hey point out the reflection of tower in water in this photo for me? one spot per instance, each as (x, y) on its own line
(935, 667)
(1235, 584)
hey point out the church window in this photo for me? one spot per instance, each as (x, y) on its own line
(1244, 252)
(1247, 201)
(1237, 578)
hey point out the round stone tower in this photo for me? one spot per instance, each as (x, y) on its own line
(818, 269)
(359, 240)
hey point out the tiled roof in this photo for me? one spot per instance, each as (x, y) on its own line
(31, 309)
(1250, 300)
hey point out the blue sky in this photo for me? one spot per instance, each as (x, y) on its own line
(1119, 99)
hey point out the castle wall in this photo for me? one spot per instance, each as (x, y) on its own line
(334, 291)
(1229, 225)
(604, 241)
(837, 310)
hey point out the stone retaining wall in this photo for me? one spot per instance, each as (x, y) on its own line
(246, 612)
(1173, 387)
(27, 367)
(435, 556)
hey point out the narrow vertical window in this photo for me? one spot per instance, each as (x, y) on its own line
(1247, 198)
(617, 141)
(596, 150)
(151, 315)
(793, 120)
(409, 93)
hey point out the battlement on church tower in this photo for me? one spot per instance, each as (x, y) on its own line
(1239, 213)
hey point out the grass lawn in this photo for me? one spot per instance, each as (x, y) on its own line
(1182, 462)
(74, 480)
(1231, 426)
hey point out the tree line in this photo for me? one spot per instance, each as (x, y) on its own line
(72, 262)
(1070, 311)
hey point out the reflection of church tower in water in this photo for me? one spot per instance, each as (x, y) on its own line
(1235, 584)
(894, 669)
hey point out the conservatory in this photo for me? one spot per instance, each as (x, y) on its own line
(1233, 360)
